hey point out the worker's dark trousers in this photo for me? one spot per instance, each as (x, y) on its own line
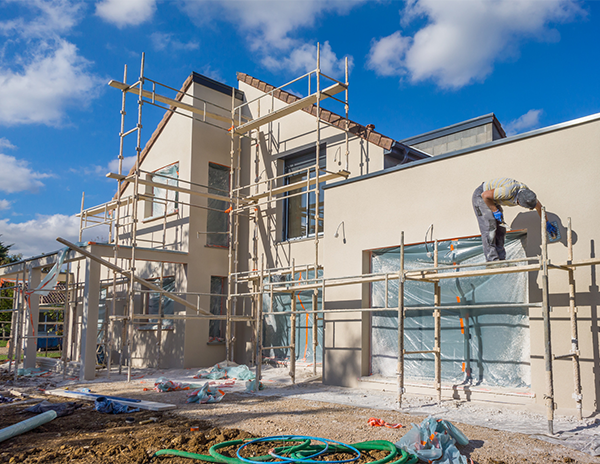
(492, 233)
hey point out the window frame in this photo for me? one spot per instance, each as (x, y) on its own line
(209, 212)
(218, 325)
(305, 153)
(171, 207)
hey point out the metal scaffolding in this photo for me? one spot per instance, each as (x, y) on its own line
(251, 203)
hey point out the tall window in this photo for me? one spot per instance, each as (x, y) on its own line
(158, 303)
(165, 198)
(218, 220)
(218, 298)
(300, 208)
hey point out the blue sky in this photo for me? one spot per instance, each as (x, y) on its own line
(416, 66)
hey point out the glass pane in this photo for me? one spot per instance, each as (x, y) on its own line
(217, 220)
(172, 174)
(300, 209)
(296, 209)
(159, 303)
(216, 330)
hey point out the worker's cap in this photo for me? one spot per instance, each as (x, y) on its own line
(526, 198)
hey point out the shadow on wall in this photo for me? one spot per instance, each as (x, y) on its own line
(595, 326)
(531, 221)
(145, 347)
(341, 366)
(584, 297)
(342, 363)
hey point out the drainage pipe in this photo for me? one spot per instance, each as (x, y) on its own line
(26, 425)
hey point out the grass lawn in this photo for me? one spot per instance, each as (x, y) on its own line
(41, 354)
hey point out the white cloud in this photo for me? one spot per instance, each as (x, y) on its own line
(42, 54)
(530, 120)
(54, 17)
(269, 26)
(16, 176)
(4, 204)
(37, 236)
(5, 144)
(66, 83)
(386, 54)
(165, 41)
(128, 163)
(215, 74)
(462, 40)
(267, 23)
(124, 13)
(304, 59)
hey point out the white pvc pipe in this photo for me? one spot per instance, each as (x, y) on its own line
(26, 425)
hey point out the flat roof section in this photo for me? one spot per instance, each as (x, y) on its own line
(433, 159)
(459, 127)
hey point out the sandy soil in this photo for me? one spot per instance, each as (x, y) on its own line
(90, 437)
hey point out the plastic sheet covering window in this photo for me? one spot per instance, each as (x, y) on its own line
(102, 321)
(218, 300)
(172, 174)
(276, 329)
(478, 346)
(167, 306)
(217, 218)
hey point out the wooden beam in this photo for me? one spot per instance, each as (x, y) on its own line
(427, 275)
(143, 254)
(169, 101)
(108, 206)
(176, 188)
(291, 108)
(298, 185)
(127, 274)
(148, 405)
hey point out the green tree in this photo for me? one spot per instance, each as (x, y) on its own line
(6, 302)
(5, 258)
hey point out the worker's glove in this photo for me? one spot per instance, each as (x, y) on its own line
(498, 215)
(551, 229)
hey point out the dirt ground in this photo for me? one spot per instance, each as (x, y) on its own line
(88, 436)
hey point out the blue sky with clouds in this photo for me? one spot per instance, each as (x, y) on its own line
(416, 66)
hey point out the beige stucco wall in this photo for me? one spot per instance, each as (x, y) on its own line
(561, 166)
(287, 136)
(193, 144)
(209, 145)
(172, 145)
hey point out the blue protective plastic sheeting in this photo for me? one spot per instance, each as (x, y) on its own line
(241, 372)
(480, 346)
(434, 441)
(106, 406)
(206, 394)
(276, 329)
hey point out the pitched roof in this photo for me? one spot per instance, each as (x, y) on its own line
(328, 116)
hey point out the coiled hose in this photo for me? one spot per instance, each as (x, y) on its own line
(298, 452)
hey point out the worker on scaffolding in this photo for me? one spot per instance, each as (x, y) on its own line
(488, 200)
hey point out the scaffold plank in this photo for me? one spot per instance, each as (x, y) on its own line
(169, 101)
(290, 108)
(298, 185)
(176, 188)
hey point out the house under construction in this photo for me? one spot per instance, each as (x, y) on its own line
(258, 224)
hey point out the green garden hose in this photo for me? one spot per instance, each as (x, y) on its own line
(219, 458)
(303, 448)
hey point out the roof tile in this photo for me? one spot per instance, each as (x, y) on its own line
(333, 118)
